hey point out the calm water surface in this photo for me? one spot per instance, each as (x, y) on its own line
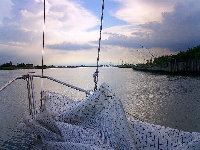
(172, 101)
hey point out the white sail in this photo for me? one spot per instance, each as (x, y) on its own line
(99, 122)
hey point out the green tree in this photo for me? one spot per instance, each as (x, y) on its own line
(21, 65)
(9, 64)
(190, 54)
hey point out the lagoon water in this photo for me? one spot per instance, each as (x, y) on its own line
(172, 101)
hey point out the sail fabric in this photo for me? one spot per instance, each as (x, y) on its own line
(155, 137)
(99, 122)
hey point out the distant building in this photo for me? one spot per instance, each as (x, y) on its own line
(29, 65)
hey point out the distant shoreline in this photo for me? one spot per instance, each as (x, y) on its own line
(49, 67)
(166, 72)
(40, 67)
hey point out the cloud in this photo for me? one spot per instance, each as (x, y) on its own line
(122, 40)
(70, 46)
(24, 23)
(178, 30)
(5, 9)
(18, 52)
(142, 11)
(61, 16)
(160, 25)
(5, 57)
(15, 33)
(70, 16)
(21, 27)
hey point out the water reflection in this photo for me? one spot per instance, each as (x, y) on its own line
(159, 99)
(169, 101)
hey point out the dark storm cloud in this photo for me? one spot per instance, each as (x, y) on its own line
(178, 30)
(122, 40)
(70, 46)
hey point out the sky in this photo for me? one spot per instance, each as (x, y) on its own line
(133, 30)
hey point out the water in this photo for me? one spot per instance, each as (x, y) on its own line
(172, 101)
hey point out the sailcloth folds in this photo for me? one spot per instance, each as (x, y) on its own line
(99, 122)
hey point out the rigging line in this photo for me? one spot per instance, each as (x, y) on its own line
(11, 81)
(43, 53)
(95, 75)
(29, 95)
(46, 77)
(43, 41)
(142, 53)
(63, 83)
(33, 102)
(148, 51)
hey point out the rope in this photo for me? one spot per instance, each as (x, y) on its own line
(11, 81)
(43, 41)
(33, 102)
(47, 77)
(29, 95)
(95, 75)
(63, 83)
(43, 53)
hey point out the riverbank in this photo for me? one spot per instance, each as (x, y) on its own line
(174, 67)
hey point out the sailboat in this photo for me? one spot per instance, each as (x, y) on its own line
(97, 122)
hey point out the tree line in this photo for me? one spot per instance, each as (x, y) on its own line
(182, 56)
(10, 66)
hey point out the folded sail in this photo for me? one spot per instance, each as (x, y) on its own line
(99, 122)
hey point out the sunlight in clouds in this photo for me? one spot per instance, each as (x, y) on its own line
(69, 16)
(65, 21)
(142, 11)
(72, 29)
